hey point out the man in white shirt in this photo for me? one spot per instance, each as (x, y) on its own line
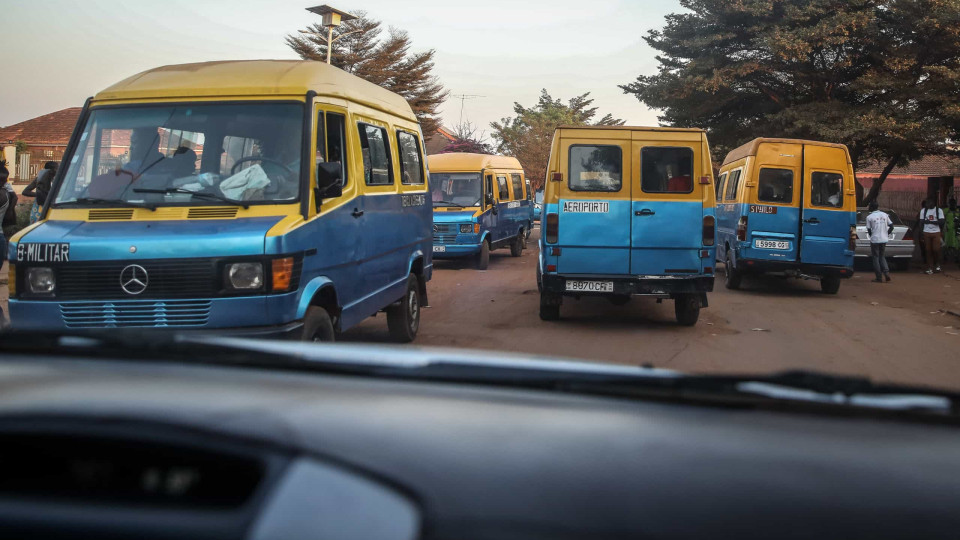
(932, 218)
(879, 227)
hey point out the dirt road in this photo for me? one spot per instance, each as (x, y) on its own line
(891, 332)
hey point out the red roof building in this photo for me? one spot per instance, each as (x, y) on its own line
(905, 187)
(439, 140)
(46, 138)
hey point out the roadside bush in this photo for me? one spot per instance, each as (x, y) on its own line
(23, 219)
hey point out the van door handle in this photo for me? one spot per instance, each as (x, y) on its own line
(357, 212)
(645, 212)
(812, 221)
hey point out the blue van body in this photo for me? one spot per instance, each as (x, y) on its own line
(787, 206)
(611, 230)
(334, 252)
(480, 203)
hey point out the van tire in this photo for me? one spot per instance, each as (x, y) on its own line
(687, 309)
(403, 318)
(516, 248)
(549, 308)
(830, 284)
(318, 326)
(483, 258)
(732, 276)
(539, 281)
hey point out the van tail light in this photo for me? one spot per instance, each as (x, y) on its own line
(709, 230)
(553, 228)
(853, 238)
(742, 229)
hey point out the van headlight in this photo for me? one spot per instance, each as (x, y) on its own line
(41, 280)
(245, 276)
(466, 228)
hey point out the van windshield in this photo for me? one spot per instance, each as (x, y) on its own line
(455, 189)
(164, 155)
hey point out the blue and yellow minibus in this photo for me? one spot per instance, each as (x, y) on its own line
(481, 202)
(270, 198)
(628, 211)
(787, 207)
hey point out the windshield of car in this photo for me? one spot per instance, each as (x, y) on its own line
(159, 155)
(455, 189)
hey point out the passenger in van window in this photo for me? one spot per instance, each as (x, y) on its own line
(834, 198)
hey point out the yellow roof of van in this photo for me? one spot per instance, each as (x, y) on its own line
(750, 149)
(462, 162)
(254, 78)
(635, 128)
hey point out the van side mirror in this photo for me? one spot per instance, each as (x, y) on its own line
(490, 201)
(329, 181)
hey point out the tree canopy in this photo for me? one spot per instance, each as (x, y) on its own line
(881, 76)
(468, 140)
(385, 60)
(528, 135)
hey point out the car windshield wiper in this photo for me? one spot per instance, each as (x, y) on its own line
(447, 203)
(118, 202)
(197, 194)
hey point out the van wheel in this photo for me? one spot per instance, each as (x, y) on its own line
(483, 258)
(687, 309)
(403, 319)
(732, 276)
(317, 326)
(619, 299)
(516, 248)
(539, 281)
(830, 284)
(549, 308)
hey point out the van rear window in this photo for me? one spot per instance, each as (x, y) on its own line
(826, 189)
(666, 170)
(595, 168)
(775, 185)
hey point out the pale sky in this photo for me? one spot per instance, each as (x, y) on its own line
(59, 52)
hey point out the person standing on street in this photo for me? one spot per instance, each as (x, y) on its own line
(932, 218)
(4, 203)
(39, 188)
(951, 239)
(879, 227)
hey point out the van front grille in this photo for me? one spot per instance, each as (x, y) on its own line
(135, 313)
(443, 239)
(166, 278)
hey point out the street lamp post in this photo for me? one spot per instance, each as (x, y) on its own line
(331, 19)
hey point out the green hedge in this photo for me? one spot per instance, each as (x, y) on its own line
(23, 219)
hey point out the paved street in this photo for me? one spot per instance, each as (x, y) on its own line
(890, 332)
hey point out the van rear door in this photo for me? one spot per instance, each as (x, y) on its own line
(773, 203)
(667, 208)
(827, 207)
(594, 203)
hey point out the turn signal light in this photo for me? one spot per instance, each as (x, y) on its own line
(282, 273)
(553, 228)
(742, 229)
(476, 228)
(709, 230)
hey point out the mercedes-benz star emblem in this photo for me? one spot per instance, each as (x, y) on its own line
(134, 279)
(436, 228)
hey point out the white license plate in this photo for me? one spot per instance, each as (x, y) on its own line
(590, 286)
(771, 244)
(439, 249)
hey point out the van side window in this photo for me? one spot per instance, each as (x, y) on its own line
(595, 168)
(719, 186)
(826, 189)
(504, 189)
(666, 170)
(411, 166)
(320, 152)
(336, 143)
(489, 191)
(775, 185)
(732, 185)
(517, 186)
(377, 168)
(529, 193)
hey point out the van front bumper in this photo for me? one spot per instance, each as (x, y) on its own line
(663, 286)
(457, 250)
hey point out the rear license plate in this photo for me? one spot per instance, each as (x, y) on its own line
(771, 244)
(439, 249)
(590, 286)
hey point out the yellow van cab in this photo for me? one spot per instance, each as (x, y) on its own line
(628, 211)
(787, 206)
(481, 202)
(260, 197)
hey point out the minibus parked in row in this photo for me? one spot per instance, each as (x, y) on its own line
(787, 206)
(282, 198)
(481, 202)
(628, 211)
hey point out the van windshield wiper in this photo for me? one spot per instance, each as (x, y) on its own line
(197, 194)
(118, 202)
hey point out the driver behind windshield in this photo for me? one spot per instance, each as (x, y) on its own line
(143, 155)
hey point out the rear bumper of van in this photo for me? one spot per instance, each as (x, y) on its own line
(762, 266)
(632, 285)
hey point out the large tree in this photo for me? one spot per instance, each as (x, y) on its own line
(383, 59)
(880, 76)
(528, 135)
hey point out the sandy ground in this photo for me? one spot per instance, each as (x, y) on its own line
(889, 332)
